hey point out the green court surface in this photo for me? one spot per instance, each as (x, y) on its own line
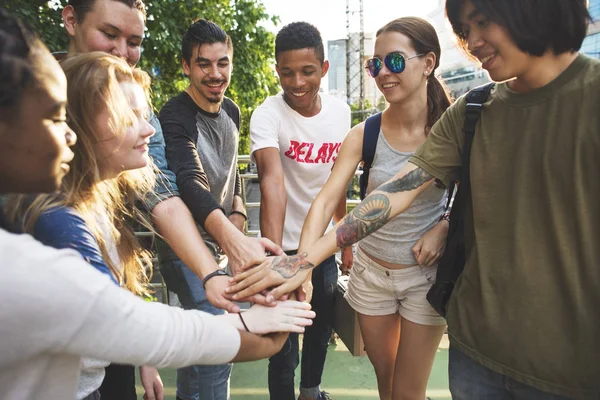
(345, 377)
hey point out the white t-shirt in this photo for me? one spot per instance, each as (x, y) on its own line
(308, 149)
(54, 309)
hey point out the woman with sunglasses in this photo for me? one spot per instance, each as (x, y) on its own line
(396, 265)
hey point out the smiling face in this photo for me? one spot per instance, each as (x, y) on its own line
(34, 143)
(111, 26)
(126, 149)
(397, 87)
(300, 72)
(492, 45)
(209, 71)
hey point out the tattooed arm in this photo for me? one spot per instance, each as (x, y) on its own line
(384, 203)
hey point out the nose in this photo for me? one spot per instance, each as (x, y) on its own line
(474, 42)
(70, 137)
(147, 130)
(120, 49)
(298, 81)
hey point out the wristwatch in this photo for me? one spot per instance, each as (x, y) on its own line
(218, 272)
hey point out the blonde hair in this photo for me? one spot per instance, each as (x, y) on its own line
(94, 84)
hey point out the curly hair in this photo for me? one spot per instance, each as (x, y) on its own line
(299, 35)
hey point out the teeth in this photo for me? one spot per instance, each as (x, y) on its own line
(214, 85)
(389, 85)
(299, 94)
(486, 59)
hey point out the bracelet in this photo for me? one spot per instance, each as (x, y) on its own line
(240, 213)
(218, 272)
(243, 323)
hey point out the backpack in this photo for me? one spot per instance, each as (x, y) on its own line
(452, 262)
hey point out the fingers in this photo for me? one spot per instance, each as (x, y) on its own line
(245, 279)
(251, 290)
(271, 247)
(229, 306)
(258, 299)
(416, 249)
(279, 291)
(294, 304)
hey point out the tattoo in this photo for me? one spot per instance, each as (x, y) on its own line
(366, 218)
(288, 267)
(410, 181)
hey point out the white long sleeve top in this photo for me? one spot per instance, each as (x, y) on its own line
(54, 309)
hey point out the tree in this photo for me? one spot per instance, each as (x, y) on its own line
(253, 78)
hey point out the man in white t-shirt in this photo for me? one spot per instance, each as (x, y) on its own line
(295, 137)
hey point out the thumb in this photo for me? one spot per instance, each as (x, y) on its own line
(271, 247)
(417, 248)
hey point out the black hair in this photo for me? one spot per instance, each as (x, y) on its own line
(424, 39)
(17, 44)
(201, 32)
(299, 35)
(82, 7)
(535, 26)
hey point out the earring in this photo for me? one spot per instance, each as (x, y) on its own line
(426, 73)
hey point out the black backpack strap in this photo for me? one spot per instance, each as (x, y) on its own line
(370, 136)
(475, 99)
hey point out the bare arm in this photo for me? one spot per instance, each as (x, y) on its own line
(176, 224)
(331, 200)
(273, 197)
(384, 203)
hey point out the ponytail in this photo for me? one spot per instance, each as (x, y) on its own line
(438, 100)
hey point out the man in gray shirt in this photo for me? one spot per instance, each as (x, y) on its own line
(201, 129)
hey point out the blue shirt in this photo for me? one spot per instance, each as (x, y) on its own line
(63, 228)
(166, 185)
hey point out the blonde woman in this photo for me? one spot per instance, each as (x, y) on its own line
(107, 109)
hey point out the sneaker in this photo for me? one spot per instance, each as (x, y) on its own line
(323, 395)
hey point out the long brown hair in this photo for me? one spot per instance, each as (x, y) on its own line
(425, 40)
(94, 84)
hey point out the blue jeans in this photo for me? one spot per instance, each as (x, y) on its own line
(196, 382)
(470, 380)
(314, 345)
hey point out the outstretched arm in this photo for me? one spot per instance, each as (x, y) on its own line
(383, 204)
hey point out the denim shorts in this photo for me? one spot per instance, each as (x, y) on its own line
(376, 290)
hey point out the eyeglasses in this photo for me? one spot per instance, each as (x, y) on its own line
(395, 62)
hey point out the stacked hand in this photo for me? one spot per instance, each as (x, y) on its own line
(285, 316)
(280, 274)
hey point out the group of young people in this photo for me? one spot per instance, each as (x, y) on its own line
(82, 157)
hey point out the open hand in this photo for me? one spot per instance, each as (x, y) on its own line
(286, 316)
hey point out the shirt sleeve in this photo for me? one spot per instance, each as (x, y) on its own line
(441, 153)
(166, 185)
(65, 307)
(63, 228)
(264, 129)
(182, 157)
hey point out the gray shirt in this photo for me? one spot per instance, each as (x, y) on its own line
(394, 241)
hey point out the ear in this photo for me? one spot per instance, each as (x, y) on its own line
(325, 68)
(430, 61)
(277, 70)
(186, 67)
(69, 17)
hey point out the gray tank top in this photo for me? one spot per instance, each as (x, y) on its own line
(394, 241)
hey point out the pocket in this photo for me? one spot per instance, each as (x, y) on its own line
(357, 269)
(430, 274)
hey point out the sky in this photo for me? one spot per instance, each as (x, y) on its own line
(329, 16)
